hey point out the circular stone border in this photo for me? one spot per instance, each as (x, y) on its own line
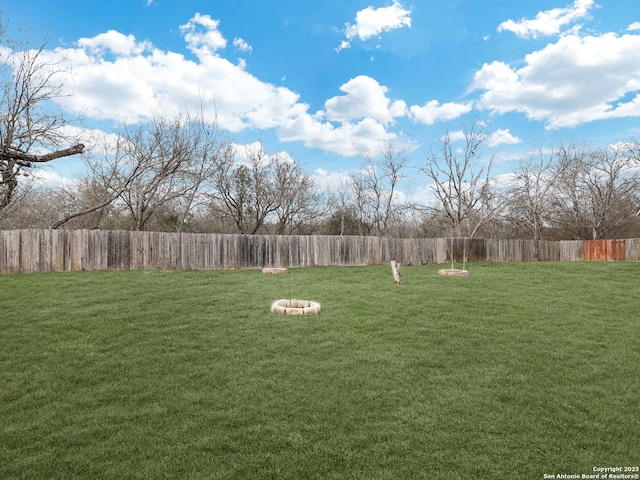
(453, 271)
(274, 270)
(295, 307)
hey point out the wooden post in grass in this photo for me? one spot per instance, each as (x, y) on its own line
(395, 267)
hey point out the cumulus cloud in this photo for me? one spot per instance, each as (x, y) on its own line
(365, 97)
(550, 22)
(576, 80)
(241, 45)
(202, 35)
(115, 77)
(347, 138)
(371, 22)
(634, 26)
(502, 137)
(115, 43)
(256, 150)
(351, 124)
(330, 181)
(499, 137)
(433, 112)
(455, 136)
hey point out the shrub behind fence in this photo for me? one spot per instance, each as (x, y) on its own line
(23, 251)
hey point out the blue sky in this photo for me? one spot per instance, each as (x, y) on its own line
(328, 81)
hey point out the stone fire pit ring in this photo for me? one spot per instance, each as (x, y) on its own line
(274, 270)
(295, 307)
(453, 272)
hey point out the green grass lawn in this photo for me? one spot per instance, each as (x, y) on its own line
(517, 371)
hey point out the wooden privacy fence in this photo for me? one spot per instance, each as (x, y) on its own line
(24, 251)
(607, 250)
(604, 250)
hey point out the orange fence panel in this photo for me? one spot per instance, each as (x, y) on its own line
(604, 250)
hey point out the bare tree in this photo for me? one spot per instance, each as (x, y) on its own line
(297, 197)
(384, 186)
(159, 152)
(207, 146)
(82, 205)
(465, 197)
(534, 193)
(345, 218)
(162, 165)
(31, 128)
(259, 192)
(109, 174)
(243, 192)
(374, 191)
(598, 190)
(360, 204)
(35, 206)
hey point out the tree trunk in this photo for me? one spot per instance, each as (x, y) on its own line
(395, 267)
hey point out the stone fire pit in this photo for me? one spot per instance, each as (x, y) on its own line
(295, 307)
(274, 270)
(453, 271)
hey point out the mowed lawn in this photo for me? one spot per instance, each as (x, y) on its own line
(517, 371)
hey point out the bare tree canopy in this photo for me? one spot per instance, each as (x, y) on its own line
(598, 190)
(299, 201)
(534, 191)
(163, 164)
(260, 189)
(31, 127)
(179, 173)
(372, 196)
(461, 183)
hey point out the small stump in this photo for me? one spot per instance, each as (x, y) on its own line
(454, 272)
(295, 307)
(274, 270)
(395, 268)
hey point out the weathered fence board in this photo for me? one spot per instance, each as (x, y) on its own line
(23, 251)
(633, 250)
(604, 250)
(571, 250)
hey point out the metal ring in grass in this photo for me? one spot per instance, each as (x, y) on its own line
(295, 307)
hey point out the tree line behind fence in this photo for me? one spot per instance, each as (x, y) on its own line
(23, 251)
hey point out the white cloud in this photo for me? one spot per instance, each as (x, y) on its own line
(330, 181)
(371, 22)
(576, 80)
(347, 139)
(634, 26)
(115, 43)
(202, 35)
(503, 181)
(257, 150)
(455, 136)
(241, 45)
(135, 80)
(549, 22)
(365, 97)
(43, 177)
(502, 137)
(425, 196)
(132, 87)
(433, 112)
(115, 77)
(499, 137)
